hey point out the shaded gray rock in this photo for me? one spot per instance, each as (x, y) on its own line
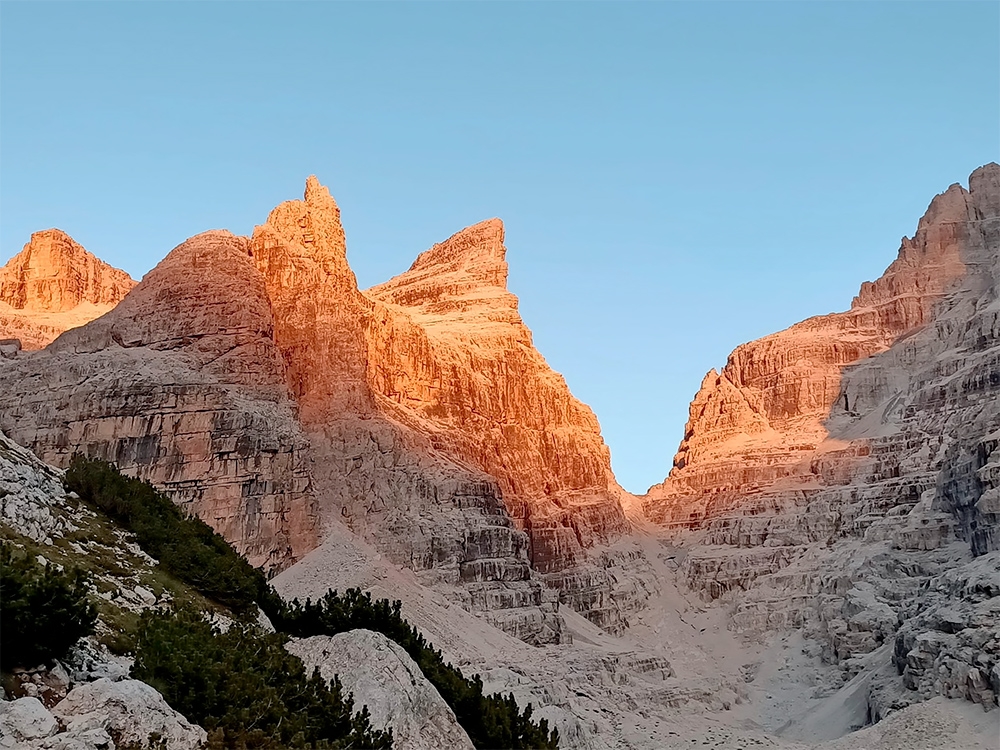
(30, 492)
(84, 739)
(130, 711)
(23, 721)
(382, 676)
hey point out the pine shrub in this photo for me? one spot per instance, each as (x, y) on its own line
(245, 689)
(185, 546)
(491, 721)
(43, 610)
(190, 550)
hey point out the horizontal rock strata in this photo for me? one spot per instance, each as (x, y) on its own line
(833, 474)
(254, 381)
(181, 384)
(53, 285)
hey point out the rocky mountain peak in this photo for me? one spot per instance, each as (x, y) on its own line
(984, 186)
(479, 243)
(53, 285)
(205, 298)
(303, 241)
(55, 274)
(775, 393)
(459, 283)
(319, 314)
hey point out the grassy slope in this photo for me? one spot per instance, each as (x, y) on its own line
(116, 566)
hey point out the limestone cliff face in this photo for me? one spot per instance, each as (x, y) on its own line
(767, 410)
(476, 383)
(841, 476)
(181, 384)
(53, 285)
(320, 315)
(433, 420)
(252, 380)
(373, 469)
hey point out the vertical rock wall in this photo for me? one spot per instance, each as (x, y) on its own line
(181, 384)
(841, 477)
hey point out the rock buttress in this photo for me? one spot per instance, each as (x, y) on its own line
(181, 384)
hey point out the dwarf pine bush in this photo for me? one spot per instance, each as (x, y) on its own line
(43, 610)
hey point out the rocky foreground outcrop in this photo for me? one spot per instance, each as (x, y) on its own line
(101, 714)
(380, 675)
(841, 476)
(53, 285)
(252, 380)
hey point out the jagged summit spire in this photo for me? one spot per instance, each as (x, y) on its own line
(461, 281)
(481, 242)
(318, 194)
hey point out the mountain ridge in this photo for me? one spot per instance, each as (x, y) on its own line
(54, 284)
(838, 482)
(267, 344)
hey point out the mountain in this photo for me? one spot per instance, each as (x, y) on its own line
(842, 475)
(824, 552)
(53, 285)
(486, 393)
(254, 381)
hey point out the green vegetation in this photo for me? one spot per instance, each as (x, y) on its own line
(244, 688)
(44, 610)
(188, 549)
(99, 548)
(491, 721)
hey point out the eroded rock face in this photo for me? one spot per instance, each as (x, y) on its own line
(451, 356)
(319, 313)
(53, 285)
(767, 410)
(182, 385)
(130, 711)
(381, 676)
(488, 397)
(833, 475)
(433, 420)
(254, 382)
(373, 468)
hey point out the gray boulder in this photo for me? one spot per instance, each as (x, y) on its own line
(382, 676)
(130, 711)
(24, 721)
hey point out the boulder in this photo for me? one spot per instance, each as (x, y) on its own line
(382, 676)
(25, 720)
(130, 711)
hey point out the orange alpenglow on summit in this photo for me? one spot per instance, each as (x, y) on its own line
(53, 285)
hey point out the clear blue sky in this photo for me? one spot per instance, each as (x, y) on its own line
(675, 178)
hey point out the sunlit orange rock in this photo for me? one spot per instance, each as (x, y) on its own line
(319, 313)
(181, 384)
(427, 389)
(53, 285)
(256, 383)
(835, 477)
(767, 410)
(488, 397)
